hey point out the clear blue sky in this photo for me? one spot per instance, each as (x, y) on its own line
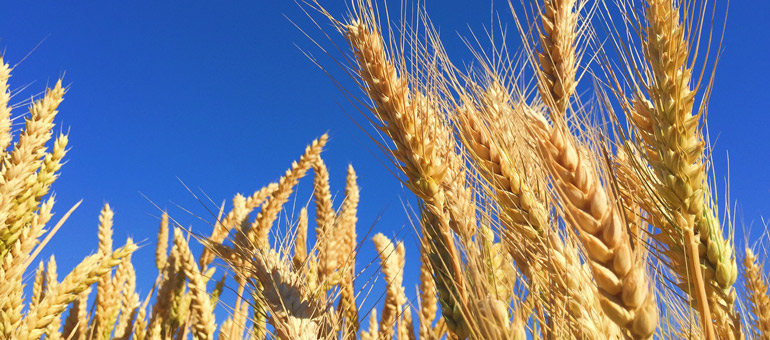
(221, 97)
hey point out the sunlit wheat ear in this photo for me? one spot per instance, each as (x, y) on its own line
(669, 125)
(392, 259)
(294, 313)
(424, 149)
(103, 301)
(345, 231)
(203, 314)
(758, 298)
(129, 299)
(326, 244)
(425, 153)
(84, 275)
(167, 291)
(242, 206)
(300, 255)
(5, 107)
(161, 249)
(260, 229)
(345, 223)
(559, 58)
(621, 275)
(76, 323)
(20, 166)
(428, 301)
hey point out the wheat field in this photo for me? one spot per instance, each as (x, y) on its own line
(565, 190)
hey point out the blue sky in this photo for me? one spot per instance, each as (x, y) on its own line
(221, 97)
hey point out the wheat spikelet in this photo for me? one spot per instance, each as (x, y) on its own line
(346, 233)
(51, 281)
(425, 152)
(160, 316)
(558, 61)
(38, 285)
(140, 325)
(13, 266)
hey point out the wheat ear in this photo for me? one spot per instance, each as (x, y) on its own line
(203, 314)
(391, 257)
(428, 300)
(21, 164)
(84, 275)
(293, 312)
(758, 299)
(627, 297)
(558, 60)
(260, 229)
(103, 301)
(675, 150)
(425, 152)
(5, 108)
(346, 232)
(327, 244)
(242, 206)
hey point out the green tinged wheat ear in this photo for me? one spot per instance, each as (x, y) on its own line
(675, 151)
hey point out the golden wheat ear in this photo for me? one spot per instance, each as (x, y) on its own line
(758, 298)
(667, 130)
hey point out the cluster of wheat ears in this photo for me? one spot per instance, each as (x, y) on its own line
(542, 213)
